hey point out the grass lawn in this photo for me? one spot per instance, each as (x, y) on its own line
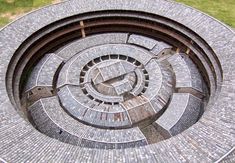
(11, 9)
(223, 10)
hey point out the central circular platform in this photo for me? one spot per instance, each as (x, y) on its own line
(114, 85)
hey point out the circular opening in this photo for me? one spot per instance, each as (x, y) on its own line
(186, 64)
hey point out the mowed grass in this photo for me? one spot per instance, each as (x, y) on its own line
(11, 9)
(223, 10)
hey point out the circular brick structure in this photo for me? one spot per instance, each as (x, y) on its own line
(117, 81)
(113, 85)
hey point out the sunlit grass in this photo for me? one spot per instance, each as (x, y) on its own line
(223, 10)
(3, 21)
(10, 9)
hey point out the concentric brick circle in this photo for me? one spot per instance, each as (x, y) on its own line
(116, 81)
(114, 85)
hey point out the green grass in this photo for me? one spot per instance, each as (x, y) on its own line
(11, 5)
(223, 10)
(3, 21)
(9, 9)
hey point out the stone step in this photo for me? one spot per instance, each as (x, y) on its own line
(182, 112)
(50, 119)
